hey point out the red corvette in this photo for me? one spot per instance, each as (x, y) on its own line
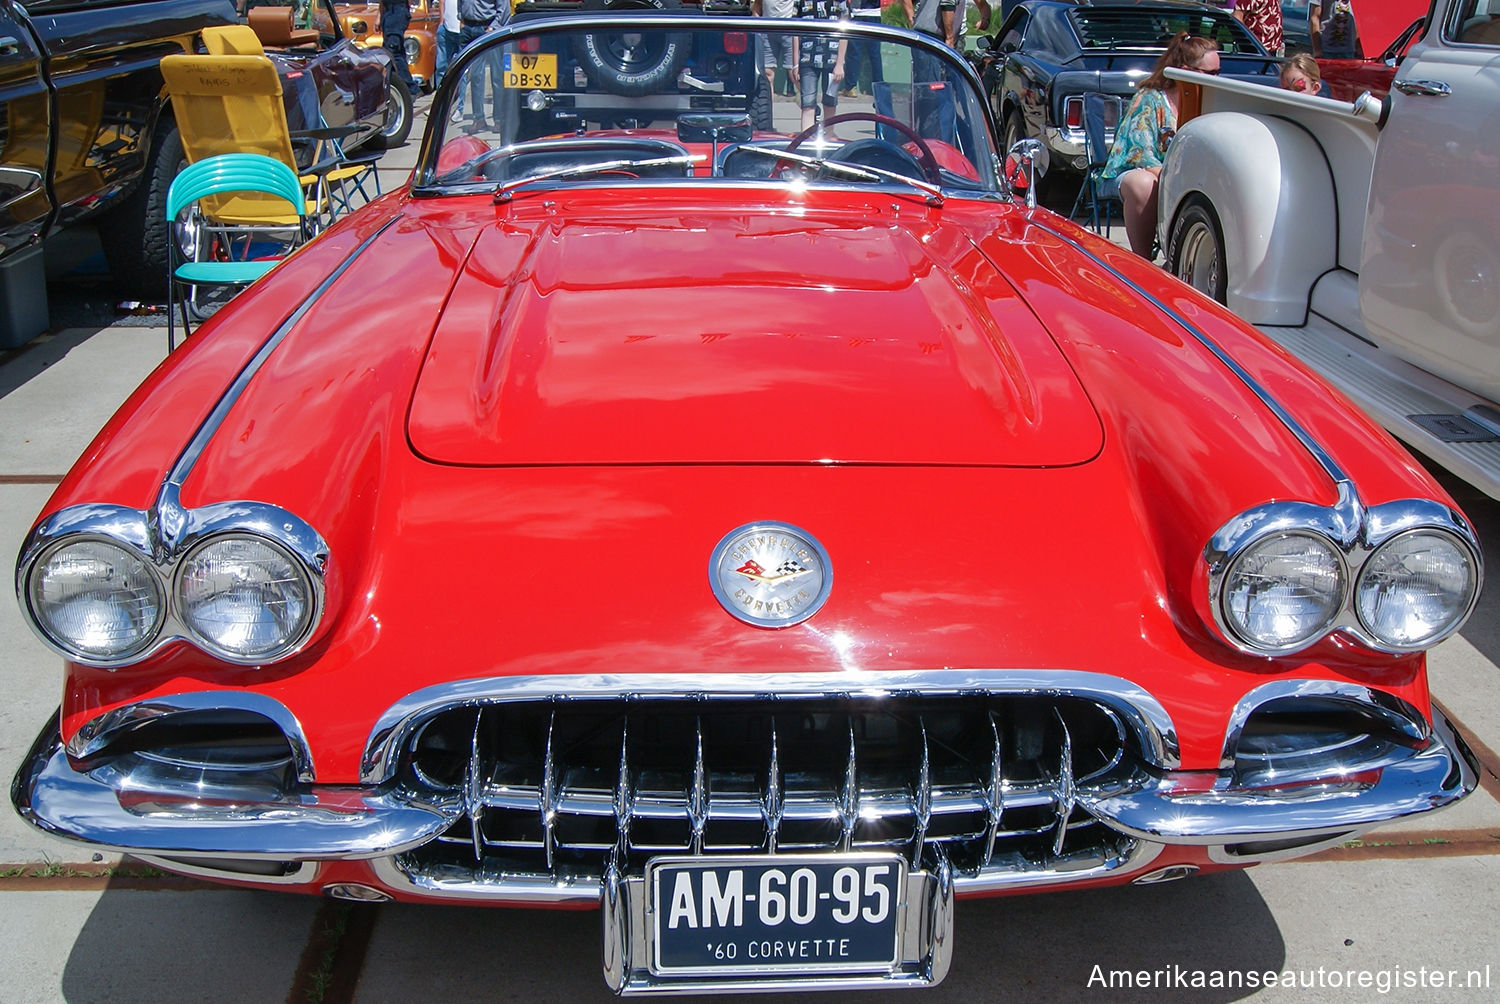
(767, 536)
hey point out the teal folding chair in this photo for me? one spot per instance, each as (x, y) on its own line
(247, 191)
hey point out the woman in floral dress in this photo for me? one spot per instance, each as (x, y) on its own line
(1141, 137)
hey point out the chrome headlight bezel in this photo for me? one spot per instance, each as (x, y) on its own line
(1356, 533)
(139, 532)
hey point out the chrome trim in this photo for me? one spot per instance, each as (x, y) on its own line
(1220, 853)
(95, 734)
(1347, 522)
(110, 809)
(1171, 873)
(1138, 710)
(1177, 809)
(576, 889)
(139, 530)
(1393, 710)
(164, 533)
(301, 873)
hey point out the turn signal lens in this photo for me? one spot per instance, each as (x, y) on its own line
(1416, 589)
(1284, 591)
(96, 601)
(245, 598)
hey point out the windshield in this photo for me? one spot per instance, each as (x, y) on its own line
(631, 97)
(1153, 28)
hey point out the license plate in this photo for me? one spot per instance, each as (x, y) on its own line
(531, 70)
(787, 913)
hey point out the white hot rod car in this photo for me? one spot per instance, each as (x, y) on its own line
(1364, 237)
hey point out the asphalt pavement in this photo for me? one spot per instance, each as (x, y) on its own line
(1410, 910)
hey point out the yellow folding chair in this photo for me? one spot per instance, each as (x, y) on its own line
(250, 40)
(233, 104)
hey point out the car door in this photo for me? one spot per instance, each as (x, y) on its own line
(1430, 280)
(24, 203)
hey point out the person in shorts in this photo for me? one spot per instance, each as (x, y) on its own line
(777, 50)
(820, 59)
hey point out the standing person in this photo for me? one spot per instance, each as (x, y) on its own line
(1141, 138)
(395, 17)
(1263, 18)
(447, 40)
(474, 19)
(776, 50)
(820, 59)
(954, 27)
(1334, 33)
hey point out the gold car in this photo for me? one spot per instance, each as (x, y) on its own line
(361, 22)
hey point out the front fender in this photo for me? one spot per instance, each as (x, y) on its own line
(1270, 185)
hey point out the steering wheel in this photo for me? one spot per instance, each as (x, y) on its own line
(925, 156)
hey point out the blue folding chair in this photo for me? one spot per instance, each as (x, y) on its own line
(1100, 111)
(260, 185)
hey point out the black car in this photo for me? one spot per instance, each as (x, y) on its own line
(1048, 54)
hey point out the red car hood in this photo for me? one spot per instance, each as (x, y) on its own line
(797, 340)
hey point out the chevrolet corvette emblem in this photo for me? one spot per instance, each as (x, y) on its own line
(770, 574)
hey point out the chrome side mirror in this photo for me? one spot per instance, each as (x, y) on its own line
(1025, 163)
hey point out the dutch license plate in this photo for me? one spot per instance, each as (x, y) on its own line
(786, 913)
(531, 71)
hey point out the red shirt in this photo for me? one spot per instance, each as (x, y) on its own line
(1263, 18)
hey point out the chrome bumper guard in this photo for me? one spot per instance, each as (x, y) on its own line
(1178, 809)
(105, 810)
(926, 940)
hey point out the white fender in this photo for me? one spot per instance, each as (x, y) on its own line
(1269, 183)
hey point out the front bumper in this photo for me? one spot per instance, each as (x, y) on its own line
(144, 814)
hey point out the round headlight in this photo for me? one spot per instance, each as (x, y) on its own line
(96, 601)
(413, 49)
(1283, 591)
(245, 598)
(1416, 589)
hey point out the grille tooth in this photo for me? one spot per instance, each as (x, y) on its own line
(923, 800)
(548, 794)
(697, 794)
(772, 805)
(624, 797)
(474, 792)
(994, 804)
(1066, 792)
(849, 796)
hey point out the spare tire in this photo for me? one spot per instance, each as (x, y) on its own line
(632, 63)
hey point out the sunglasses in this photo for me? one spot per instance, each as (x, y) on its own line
(1212, 73)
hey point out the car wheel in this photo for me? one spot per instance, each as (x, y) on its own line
(632, 63)
(1195, 253)
(760, 104)
(135, 233)
(397, 116)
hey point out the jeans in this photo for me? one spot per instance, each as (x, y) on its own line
(466, 35)
(393, 24)
(447, 48)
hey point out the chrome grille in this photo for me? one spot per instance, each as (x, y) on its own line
(556, 788)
